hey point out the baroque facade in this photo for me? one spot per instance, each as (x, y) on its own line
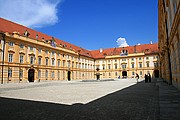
(28, 56)
(169, 40)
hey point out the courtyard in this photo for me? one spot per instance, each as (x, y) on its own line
(112, 99)
(65, 92)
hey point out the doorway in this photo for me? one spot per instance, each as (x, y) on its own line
(31, 75)
(69, 75)
(124, 74)
(156, 73)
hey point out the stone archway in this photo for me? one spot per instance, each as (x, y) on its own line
(124, 74)
(31, 75)
(69, 75)
(156, 73)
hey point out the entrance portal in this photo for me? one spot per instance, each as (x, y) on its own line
(124, 74)
(69, 75)
(156, 73)
(31, 75)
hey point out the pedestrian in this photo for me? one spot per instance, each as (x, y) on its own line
(137, 77)
(149, 77)
(146, 78)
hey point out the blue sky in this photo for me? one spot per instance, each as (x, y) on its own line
(91, 24)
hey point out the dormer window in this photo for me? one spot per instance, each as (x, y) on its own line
(37, 36)
(26, 33)
(11, 44)
(124, 52)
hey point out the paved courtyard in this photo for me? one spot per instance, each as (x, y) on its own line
(121, 99)
(65, 92)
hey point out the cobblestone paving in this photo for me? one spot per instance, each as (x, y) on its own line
(122, 99)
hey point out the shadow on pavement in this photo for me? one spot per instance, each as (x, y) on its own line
(138, 102)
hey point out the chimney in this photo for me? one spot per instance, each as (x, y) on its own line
(151, 42)
(101, 50)
(135, 49)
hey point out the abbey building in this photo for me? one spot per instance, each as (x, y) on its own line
(169, 40)
(27, 55)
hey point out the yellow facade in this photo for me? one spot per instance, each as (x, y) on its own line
(169, 40)
(115, 66)
(59, 61)
(27, 59)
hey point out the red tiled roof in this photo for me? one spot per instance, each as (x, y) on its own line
(144, 48)
(10, 27)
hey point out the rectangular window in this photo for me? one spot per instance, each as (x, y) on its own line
(132, 59)
(124, 59)
(109, 66)
(147, 64)
(39, 60)
(20, 73)
(30, 47)
(58, 75)
(46, 61)
(46, 51)
(132, 73)
(53, 52)
(9, 72)
(73, 65)
(10, 58)
(140, 65)
(32, 60)
(58, 63)
(140, 58)
(39, 74)
(147, 58)
(63, 63)
(21, 59)
(11, 44)
(155, 64)
(132, 65)
(140, 72)
(116, 73)
(123, 66)
(52, 74)
(115, 66)
(21, 46)
(69, 64)
(46, 74)
(103, 67)
(39, 51)
(52, 62)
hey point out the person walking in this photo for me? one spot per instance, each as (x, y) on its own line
(149, 77)
(146, 78)
(137, 77)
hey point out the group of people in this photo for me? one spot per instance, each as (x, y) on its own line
(147, 77)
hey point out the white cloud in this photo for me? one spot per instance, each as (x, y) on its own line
(31, 13)
(121, 42)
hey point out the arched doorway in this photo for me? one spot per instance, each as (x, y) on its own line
(124, 74)
(156, 73)
(69, 75)
(31, 75)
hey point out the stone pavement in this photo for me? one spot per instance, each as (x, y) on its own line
(169, 101)
(76, 100)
